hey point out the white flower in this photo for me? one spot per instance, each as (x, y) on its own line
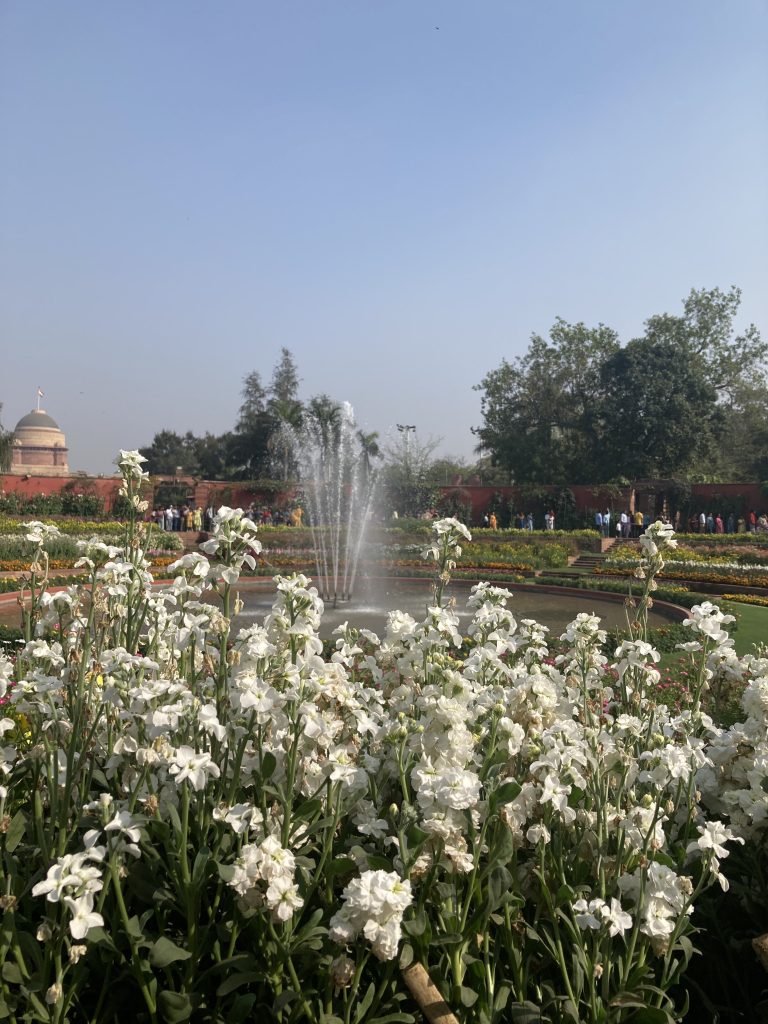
(618, 920)
(38, 533)
(283, 897)
(588, 915)
(196, 767)
(124, 823)
(374, 905)
(83, 915)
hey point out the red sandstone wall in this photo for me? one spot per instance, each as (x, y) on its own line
(30, 486)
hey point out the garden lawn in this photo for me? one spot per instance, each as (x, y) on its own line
(753, 627)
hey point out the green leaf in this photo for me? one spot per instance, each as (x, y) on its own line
(173, 814)
(468, 996)
(653, 1015)
(417, 925)
(165, 952)
(499, 886)
(501, 998)
(268, 765)
(365, 1003)
(448, 939)
(406, 956)
(506, 792)
(393, 1018)
(241, 1009)
(16, 830)
(175, 1007)
(340, 866)
(11, 973)
(198, 868)
(98, 937)
(236, 980)
(226, 871)
(378, 863)
(522, 1013)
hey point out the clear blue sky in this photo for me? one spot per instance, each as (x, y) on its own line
(399, 191)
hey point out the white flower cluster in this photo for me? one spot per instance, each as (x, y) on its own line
(383, 740)
(264, 875)
(374, 904)
(74, 880)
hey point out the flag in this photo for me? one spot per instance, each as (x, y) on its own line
(40, 393)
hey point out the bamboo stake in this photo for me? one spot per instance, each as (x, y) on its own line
(427, 995)
(760, 946)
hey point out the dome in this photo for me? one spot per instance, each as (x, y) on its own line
(39, 447)
(36, 419)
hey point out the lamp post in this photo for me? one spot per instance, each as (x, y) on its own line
(407, 429)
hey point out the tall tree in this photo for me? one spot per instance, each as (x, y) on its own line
(658, 412)
(284, 386)
(6, 447)
(539, 409)
(249, 448)
(406, 485)
(706, 333)
(172, 454)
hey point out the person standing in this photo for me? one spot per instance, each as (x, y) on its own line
(492, 521)
(599, 522)
(607, 523)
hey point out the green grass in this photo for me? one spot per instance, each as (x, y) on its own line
(753, 627)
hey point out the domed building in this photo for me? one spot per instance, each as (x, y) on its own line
(39, 447)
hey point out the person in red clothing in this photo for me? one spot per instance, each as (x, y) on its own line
(719, 523)
(752, 521)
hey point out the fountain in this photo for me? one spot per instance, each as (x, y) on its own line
(339, 487)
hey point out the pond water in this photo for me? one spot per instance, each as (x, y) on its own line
(375, 598)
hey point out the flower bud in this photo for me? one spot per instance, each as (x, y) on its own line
(342, 972)
(54, 994)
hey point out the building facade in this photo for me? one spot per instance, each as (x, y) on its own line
(39, 447)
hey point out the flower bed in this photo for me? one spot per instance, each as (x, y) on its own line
(725, 573)
(203, 826)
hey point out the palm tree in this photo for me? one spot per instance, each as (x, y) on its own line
(369, 449)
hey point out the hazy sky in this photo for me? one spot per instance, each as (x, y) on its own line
(399, 191)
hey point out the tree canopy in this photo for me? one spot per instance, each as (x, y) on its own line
(6, 447)
(579, 408)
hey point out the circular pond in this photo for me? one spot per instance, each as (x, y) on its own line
(374, 598)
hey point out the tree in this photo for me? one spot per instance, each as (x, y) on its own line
(706, 334)
(284, 386)
(406, 487)
(249, 448)
(538, 410)
(370, 449)
(6, 447)
(548, 419)
(172, 454)
(658, 412)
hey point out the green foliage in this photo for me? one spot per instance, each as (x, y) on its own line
(65, 503)
(6, 447)
(658, 413)
(689, 397)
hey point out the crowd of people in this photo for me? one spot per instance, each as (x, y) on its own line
(175, 519)
(707, 522)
